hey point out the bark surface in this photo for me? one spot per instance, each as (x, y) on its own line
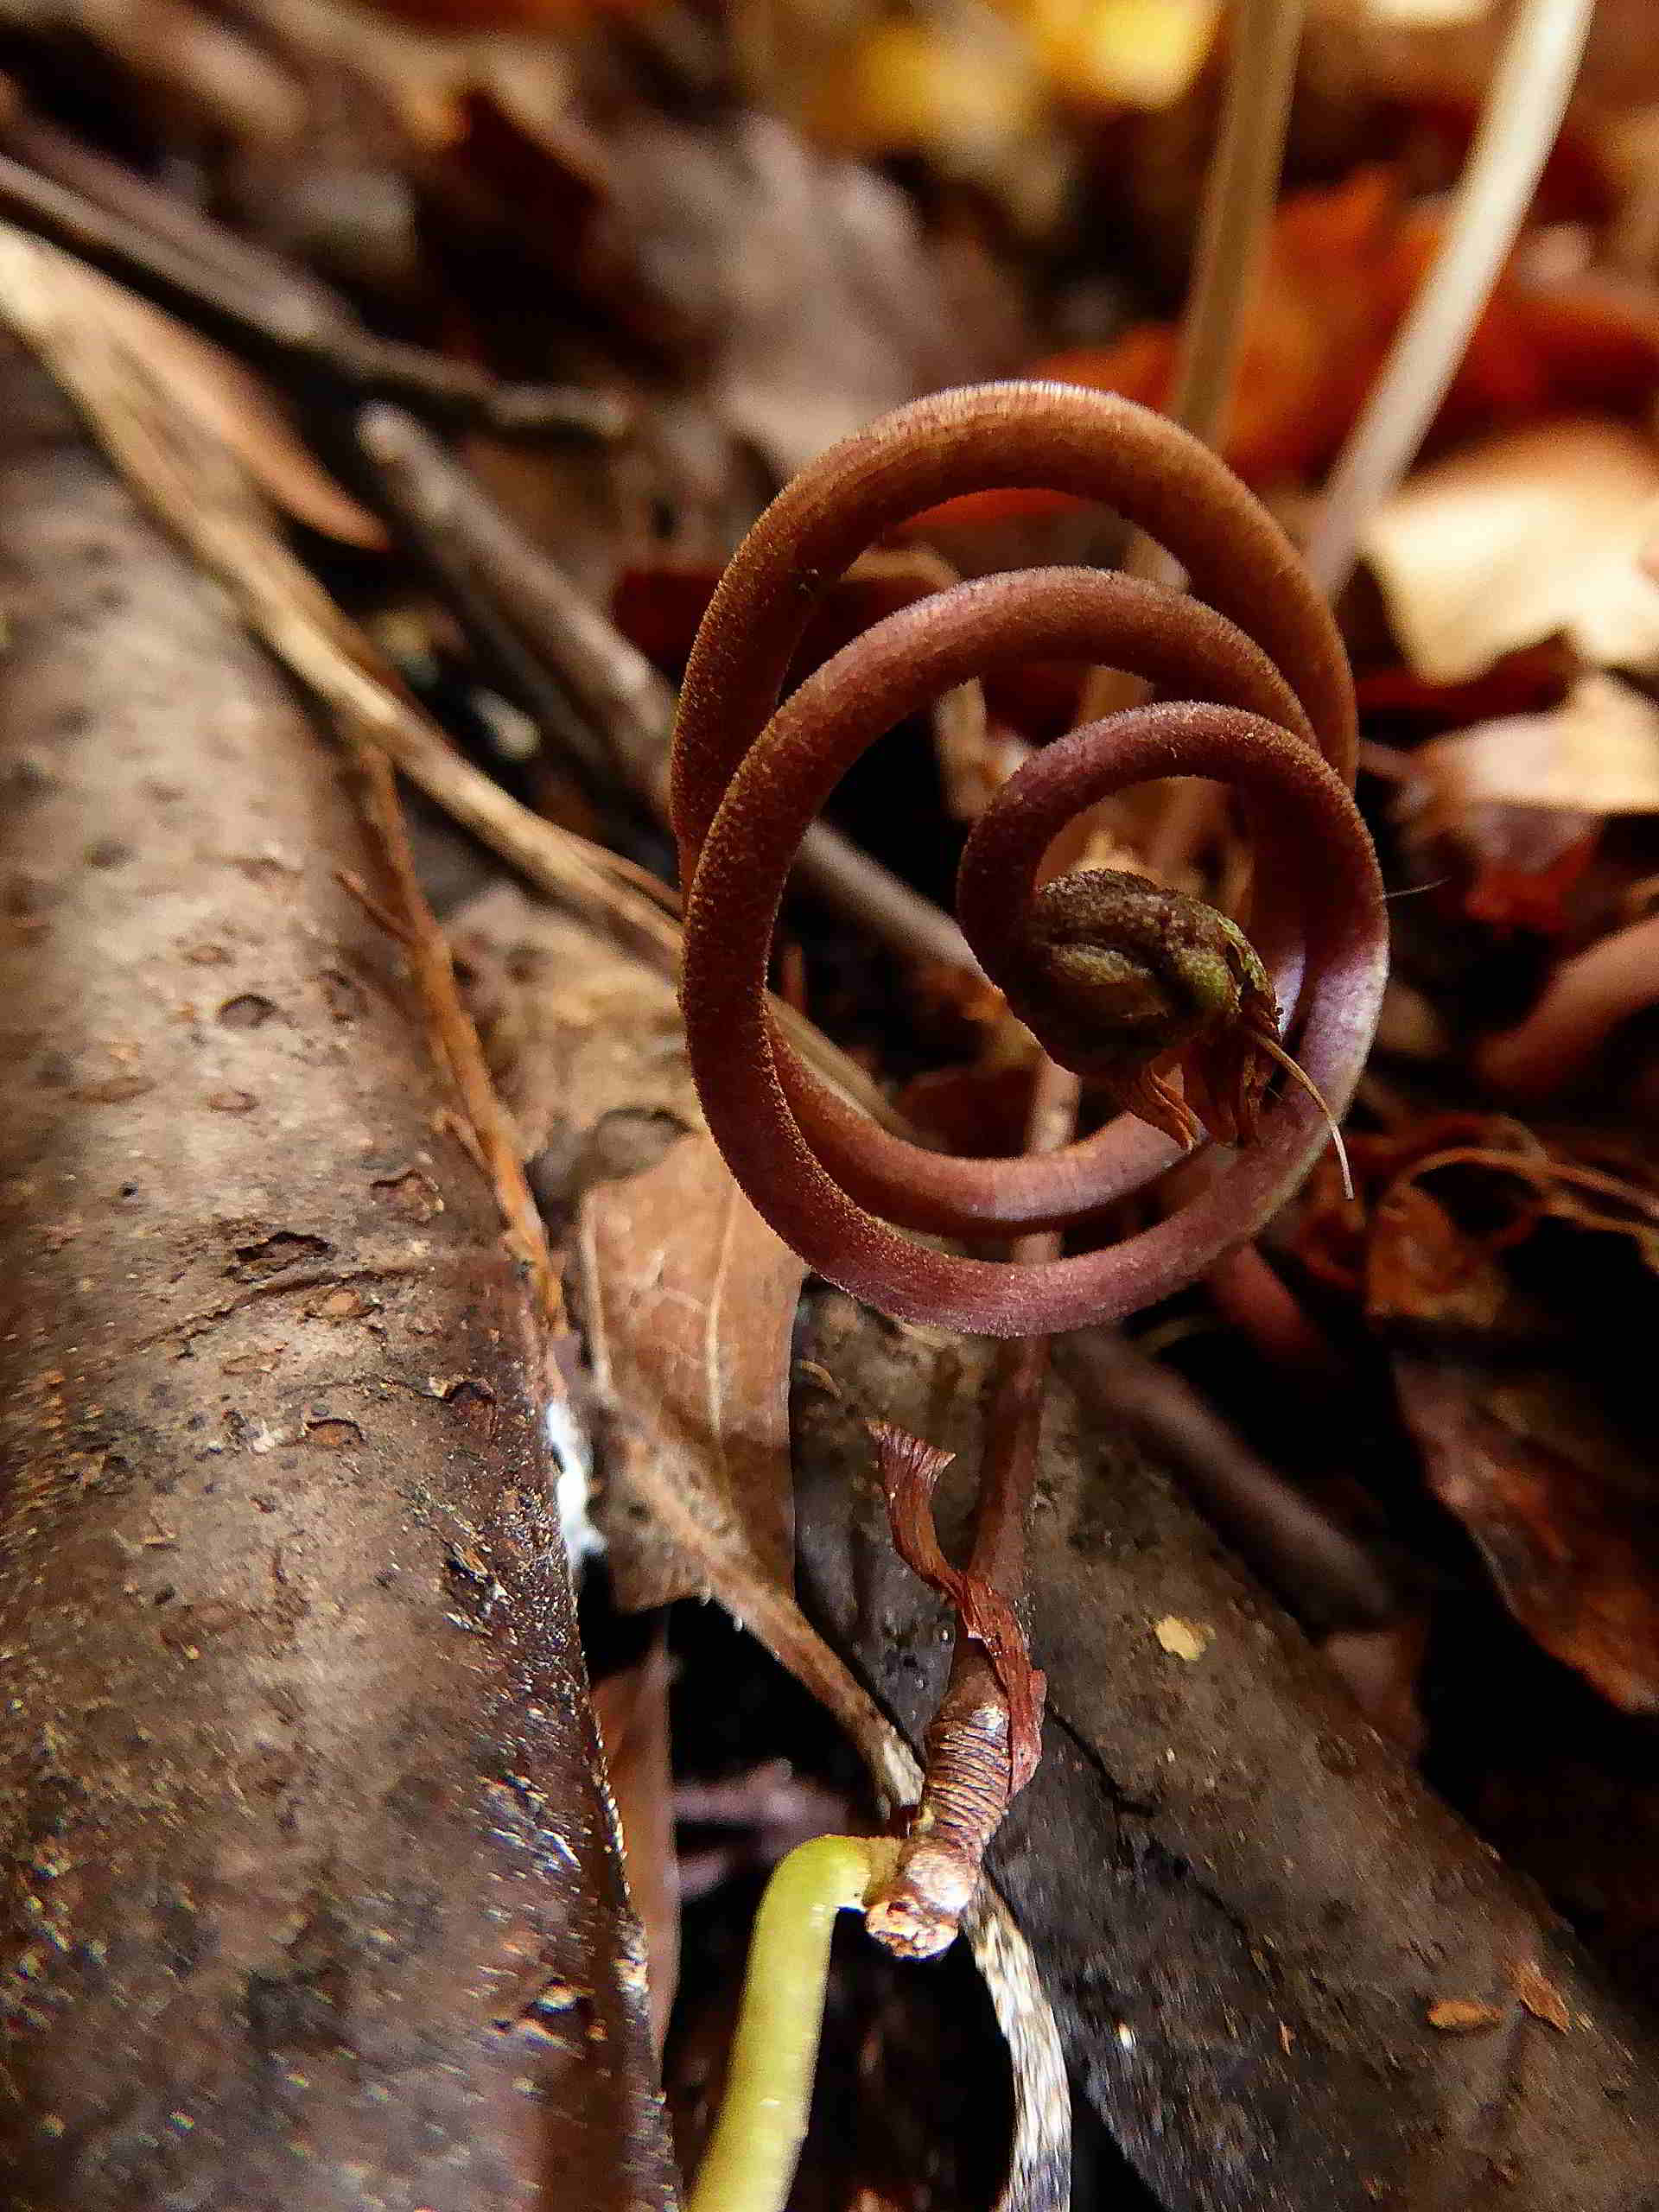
(311, 1896)
(1244, 1904)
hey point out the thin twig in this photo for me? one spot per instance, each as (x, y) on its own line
(455, 1038)
(1519, 121)
(250, 301)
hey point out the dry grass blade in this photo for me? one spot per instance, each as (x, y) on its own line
(1523, 109)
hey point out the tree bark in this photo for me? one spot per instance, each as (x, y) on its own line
(312, 1898)
(1244, 1903)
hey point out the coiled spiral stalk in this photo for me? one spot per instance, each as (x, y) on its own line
(1119, 980)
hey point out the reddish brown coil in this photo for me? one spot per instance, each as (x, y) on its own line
(1264, 704)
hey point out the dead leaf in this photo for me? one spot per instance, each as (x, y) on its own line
(1596, 753)
(1420, 1267)
(1541, 1998)
(1113, 54)
(1562, 1510)
(959, 89)
(910, 1467)
(1187, 1640)
(1462, 2016)
(1505, 544)
(583, 1039)
(809, 277)
(692, 1302)
(1525, 682)
(631, 1710)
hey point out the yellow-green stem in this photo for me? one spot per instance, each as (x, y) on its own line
(751, 2155)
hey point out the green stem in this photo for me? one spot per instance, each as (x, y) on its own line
(751, 2155)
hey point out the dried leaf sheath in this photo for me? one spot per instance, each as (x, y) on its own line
(909, 1468)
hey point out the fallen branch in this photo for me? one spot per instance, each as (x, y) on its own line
(309, 1882)
(250, 300)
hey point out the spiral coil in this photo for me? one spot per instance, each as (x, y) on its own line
(1263, 703)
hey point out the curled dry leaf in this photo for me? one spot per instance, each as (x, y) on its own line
(690, 1304)
(1524, 797)
(1557, 1500)
(909, 1468)
(1524, 537)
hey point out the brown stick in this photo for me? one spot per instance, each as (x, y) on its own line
(252, 303)
(310, 1890)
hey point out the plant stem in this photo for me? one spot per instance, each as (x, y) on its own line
(1518, 123)
(1240, 187)
(750, 2162)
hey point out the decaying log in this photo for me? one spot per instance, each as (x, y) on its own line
(311, 1896)
(1249, 1914)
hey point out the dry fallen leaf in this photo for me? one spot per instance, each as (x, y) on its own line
(1523, 799)
(1462, 2016)
(1596, 753)
(690, 1304)
(583, 1039)
(811, 278)
(1187, 1640)
(1141, 54)
(1534, 533)
(1541, 1998)
(1559, 1506)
